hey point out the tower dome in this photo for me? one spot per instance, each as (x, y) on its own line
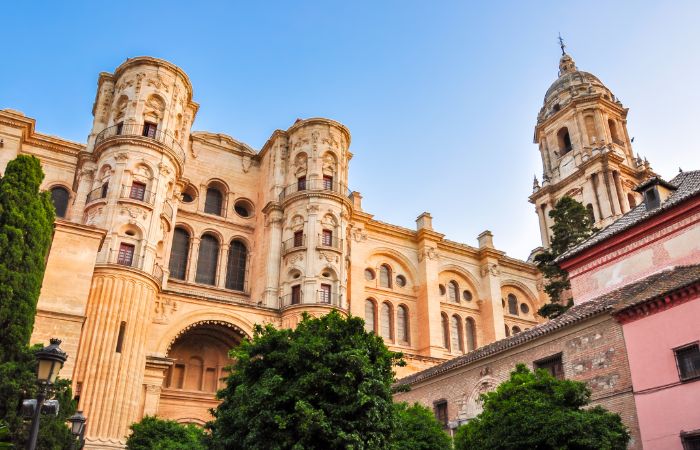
(570, 84)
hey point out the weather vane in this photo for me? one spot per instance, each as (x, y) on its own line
(561, 44)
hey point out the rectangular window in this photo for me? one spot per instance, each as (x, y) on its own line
(296, 294)
(298, 238)
(553, 365)
(325, 296)
(105, 188)
(149, 129)
(126, 254)
(691, 440)
(120, 127)
(327, 238)
(120, 337)
(688, 361)
(138, 191)
(301, 184)
(327, 182)
(440, 409)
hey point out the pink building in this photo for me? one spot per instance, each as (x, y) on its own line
(658, 241)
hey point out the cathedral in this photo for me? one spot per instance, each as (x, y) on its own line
(171, 244)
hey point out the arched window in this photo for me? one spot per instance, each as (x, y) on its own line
(214, 201)
(207, 260)
(385, 276)
(402, 324)
(456, 334)
(385, 321)
(59, 197)
(453, 291)
(516, 329)
(370, 315)
(613, 132)
(564, 141)
(507, 331)
(179, 254)
(445, 331)
(512, 304)
(591, 215)
(235, 270)
(470, 328)
(631, 200)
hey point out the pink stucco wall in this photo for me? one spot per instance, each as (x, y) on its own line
(670, 244)
(665, 406)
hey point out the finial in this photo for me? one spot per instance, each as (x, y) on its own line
(535, 183)
(680, 170)
(562, 45)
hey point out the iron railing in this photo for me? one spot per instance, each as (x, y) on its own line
(140, 130)
(293, 243)
(111, 256)
(327, 298)
(292, 299)
(96, 194)
(315, 186)
(321, 298)
(330, 242)
(141, 195)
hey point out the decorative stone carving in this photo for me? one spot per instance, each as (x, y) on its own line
(246, 163)
(164, 308)
(91, 217)
(158, 82)
(427, 252)
(300, 163)
(359, 235)
(121, 156)
(472, 405)
(329, 257)
(134, 212)
(294, 258)
(490, 269)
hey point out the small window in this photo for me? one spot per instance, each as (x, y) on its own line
(149, 129)
(120, 337)
(691, 440)
(298, 239)
(467, 296)
(327, 238)
(189, 194)
(369, 274)
(456, 335)
(301, 184)
(453, 291)
(553, 365)
(400, 281)
(512, 304)
(385, 321)
(105, 189)
(126, 254)
(515, 330)
(402, 324)
(120, 127)
(524, 308)
(385, 276)
(470, 328)
(137, 191)
(370, 315)
(327, 182)
(325, 293)
(440, 408)
(213, 202)
(296, 294)
(187, 198)
(442, 289)
(243, 208)
(651, 198)
(564, 141)
(688, 361)
(445, 331)
(59, 197)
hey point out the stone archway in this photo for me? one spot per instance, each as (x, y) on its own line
(196, 365)
(472, 405)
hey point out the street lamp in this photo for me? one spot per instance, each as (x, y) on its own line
(50, 359)
(77, 427)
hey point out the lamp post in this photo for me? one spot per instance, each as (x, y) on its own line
(50, 359)
(77, 427)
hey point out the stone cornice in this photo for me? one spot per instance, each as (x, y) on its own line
(139, 60)
(389, 229)
(234, 146)
(31, 137)
(577, 102)
(80, 230)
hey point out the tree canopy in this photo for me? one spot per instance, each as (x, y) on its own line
(572, 225)
(152, 433)
(416, 428)
(324, 385)
(539, 412)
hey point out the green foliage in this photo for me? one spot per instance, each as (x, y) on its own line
(537, 411)
(416, 428)
(26, 225)
(572, 225)
(4, 436)
(152, 433)
(324, 385)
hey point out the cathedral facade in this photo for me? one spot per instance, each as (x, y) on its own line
(171, 244)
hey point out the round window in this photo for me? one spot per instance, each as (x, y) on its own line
(243, 208)
(524, 308)
(369, 274)
(326, 274)
(467, 296)
(442, 289)
(189, 194)
(400, 280)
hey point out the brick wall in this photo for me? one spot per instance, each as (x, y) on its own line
(593, 351)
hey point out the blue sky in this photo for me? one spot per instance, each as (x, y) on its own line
(440, 97)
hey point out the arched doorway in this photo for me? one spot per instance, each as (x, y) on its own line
(198, 357)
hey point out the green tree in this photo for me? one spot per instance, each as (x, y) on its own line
(572, 225)
(416, 428)
(152, 433)
(26, 227)
(539, 412)
(324, 385)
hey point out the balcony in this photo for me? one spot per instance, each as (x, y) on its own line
(97, 194)
(315, 186)
(120, 258)
(295, 243)
(142, 132)
(138, 193)
(321, 298)
(330, 242)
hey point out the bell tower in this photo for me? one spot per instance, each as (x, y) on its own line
(586, 151)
